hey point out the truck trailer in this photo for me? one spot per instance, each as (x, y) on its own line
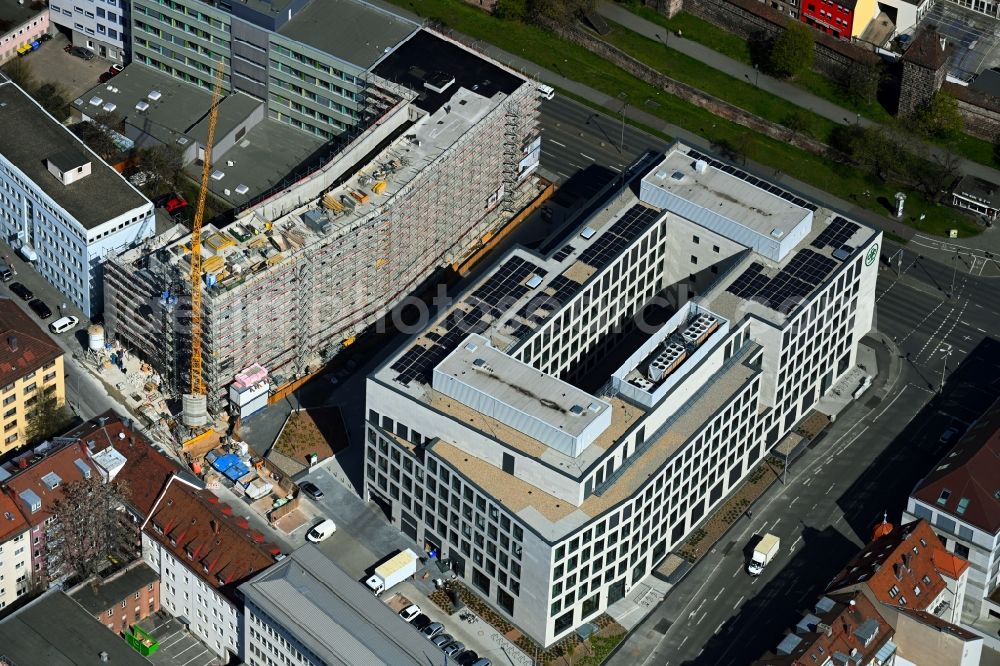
(765, 551)
(395, 570)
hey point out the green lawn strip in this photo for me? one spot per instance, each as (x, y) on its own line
(697, 30)
(581, 65)
(695, 73)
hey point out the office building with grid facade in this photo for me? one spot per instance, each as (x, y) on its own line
(574, 415)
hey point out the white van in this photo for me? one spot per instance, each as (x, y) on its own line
(545, 92)
(322, 531)
(64, 324)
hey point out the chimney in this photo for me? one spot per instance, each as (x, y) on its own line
(942, 41)
(12, 342)
(103, 655)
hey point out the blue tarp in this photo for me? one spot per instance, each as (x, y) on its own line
(222, 463)
(237, 470)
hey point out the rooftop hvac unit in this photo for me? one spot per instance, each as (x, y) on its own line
(701, 166)
(142, 105)
(154, 95)
(666, 361)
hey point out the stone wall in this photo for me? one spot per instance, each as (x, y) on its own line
(669, 8)
(688, 93)
(917, 88)
(752, 20)
(980, 112)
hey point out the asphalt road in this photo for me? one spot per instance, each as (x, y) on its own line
(866, 464)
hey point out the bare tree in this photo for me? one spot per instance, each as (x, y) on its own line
(89, 515)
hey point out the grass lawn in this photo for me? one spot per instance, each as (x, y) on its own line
(318, 430)
(695, 73)
(579, 64)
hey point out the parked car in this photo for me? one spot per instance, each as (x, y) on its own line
(21, 291)
(44, 38)
(453, 648)
(105, 77)
(482, 662)
(432, 629)
(948, 435)
(420, 621)
(171, 201)
(6, 273)
(310, 488)
(467, 658)
(409, 612)
(116, 68)
(322, 531)
(63, 324)
(442, 639)
(81, 52)
(40, 308)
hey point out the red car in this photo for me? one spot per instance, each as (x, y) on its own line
(172, 202)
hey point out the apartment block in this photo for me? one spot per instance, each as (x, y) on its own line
(99, 25)
(122, 599)
(570, 418)
(31, 365)
(20, 26)
(201, 553)
(959, 498)
(290, 283)
(15, 553)
(62, 207)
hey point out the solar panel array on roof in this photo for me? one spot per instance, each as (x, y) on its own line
(612, 242)
(795, 281)
(836, 234)
(505, 286)
(563, 253)
(759, 183)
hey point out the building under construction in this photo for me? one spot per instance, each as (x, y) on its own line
(291, 282)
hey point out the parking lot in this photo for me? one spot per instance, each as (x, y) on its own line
(177, 646)
(76, 75)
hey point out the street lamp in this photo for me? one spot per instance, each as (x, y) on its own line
(621, 147)
(944, 367)
(756, 77)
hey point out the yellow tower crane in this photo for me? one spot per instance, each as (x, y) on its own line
(197, 380)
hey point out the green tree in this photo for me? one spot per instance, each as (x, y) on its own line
(53, 99)
(512, 10)
(860, 81)
(798, 120)
(46, 418)
(940, 118)
(792, 51)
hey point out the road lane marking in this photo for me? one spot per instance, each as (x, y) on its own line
(719, 594)
(797, 539)
(719, 628)
(702, 618)
(562, 145)
(587, 157)
(775, 526)
(830, 489)
(794, 500)
(737, 604)
(683, 641)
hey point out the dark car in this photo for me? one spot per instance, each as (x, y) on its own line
(40, 308)
(81, 52)
(105, 77)
(6, 273)
(309, 488)
(467, 658)
(453, 648)
(21, 291)
(420, 621)
(442, 639)
(44, 38)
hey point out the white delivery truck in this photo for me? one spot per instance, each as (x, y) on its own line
(396, 570)
(763, 553)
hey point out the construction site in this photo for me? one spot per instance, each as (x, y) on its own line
(287, 288)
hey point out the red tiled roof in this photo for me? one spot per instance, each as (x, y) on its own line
(970, 474)
(848, 621)
(191, 524)
(949, 564)
(33, 347)
(12, 522)
(62, 463)
(146, 471)
(898, 568)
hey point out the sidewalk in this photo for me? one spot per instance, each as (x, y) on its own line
(782, 89)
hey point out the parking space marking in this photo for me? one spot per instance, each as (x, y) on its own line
(197, 656)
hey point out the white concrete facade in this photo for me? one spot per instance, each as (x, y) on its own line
(98, 25)
(552, 540)
(211, 616)
(15, 568)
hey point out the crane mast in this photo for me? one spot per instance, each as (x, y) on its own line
(197, 379)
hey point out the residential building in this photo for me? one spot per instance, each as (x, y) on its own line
(201, 554)
(20, 26)
(918, 587)
(60, 205)
(37, 489)
(31, 365)
(307, 611)
(15, 553)
(99, 25)
(553, 438)
(121, 600)
(354, 240)
(905, 14)
(978, 195)
(960, 498)
(841, 18)
(56, 631)
(844, 628)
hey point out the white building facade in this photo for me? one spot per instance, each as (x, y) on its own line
(460, 451)
(99, 25)
(15, 567)
(60, 205)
